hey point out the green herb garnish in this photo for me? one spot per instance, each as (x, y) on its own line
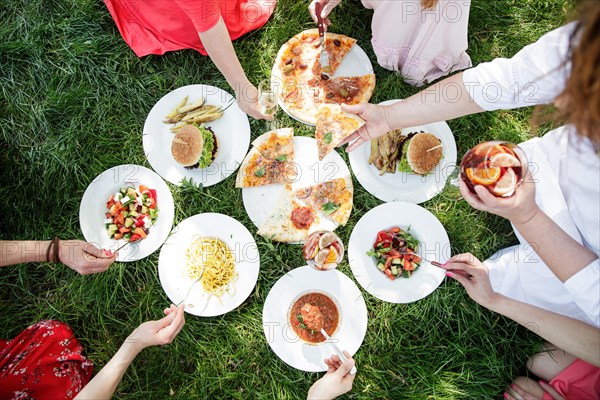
(260, 172)
(329, 207)
(328, 137)
(281, 158)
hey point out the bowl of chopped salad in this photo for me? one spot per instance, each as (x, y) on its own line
(127, 204)
(389, 248)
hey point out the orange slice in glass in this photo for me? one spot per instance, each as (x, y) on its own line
(332, 256)
(483, 176)
(506, 185)
(504, 160)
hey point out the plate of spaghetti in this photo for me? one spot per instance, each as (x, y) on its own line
(210, 262)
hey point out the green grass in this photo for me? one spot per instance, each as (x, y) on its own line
(73, 100)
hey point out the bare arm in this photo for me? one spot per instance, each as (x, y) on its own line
(576, 337)
(150, 333)
(78, 255)
(446, 100)
(218, 45)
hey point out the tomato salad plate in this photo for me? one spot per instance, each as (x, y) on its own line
(215, 113)
(286, 323)
(127, 203)
(403, 186)
(390, 249)
(210, 262)
(259, 201)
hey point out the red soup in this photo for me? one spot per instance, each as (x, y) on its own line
(328, 310)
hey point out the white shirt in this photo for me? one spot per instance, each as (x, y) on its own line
(566, 168)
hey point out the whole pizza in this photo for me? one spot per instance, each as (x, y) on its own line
(302, 87)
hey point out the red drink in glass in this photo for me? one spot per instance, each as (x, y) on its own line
(496, 165)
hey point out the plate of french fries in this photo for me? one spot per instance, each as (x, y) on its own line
(376, 165)
(199, 105)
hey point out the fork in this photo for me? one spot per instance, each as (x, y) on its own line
(190, 289)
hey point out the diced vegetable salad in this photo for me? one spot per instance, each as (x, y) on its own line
(394, 253)
(131, 213)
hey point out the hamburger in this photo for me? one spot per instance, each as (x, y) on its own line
(423, 154)
(194, 147)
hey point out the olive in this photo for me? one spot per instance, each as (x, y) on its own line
(288, 61)
(337, 43)
(344, 93)
(329, 95)
(303, 66)
(288, 69)
(324, 77)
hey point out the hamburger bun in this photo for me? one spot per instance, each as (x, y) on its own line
(187, 146)
(420, 160)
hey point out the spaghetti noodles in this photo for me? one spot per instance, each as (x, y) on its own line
(211, 259)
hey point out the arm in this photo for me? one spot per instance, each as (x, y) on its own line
(446, 100)
(535, 226)
(150, 333)
(218, 45)
(576, 337)
(76, 254)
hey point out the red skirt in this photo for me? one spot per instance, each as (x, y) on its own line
(43, 362)
(158, 26)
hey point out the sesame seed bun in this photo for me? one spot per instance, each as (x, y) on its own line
(419, 158)
(187, 146)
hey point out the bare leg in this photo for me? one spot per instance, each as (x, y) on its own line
(549, 362)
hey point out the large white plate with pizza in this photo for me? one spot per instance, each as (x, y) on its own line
(226, 283)
(434, 245)
(402, 186)
(332, 291)
(232, 132)
(322, 189)
(296, 74)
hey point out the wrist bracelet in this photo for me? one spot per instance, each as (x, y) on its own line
(56, 245)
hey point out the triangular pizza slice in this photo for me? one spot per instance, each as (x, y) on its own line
(333, 126)
(333, 198)
(289, 221)
(271, 160)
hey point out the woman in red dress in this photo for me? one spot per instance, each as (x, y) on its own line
(208, 26)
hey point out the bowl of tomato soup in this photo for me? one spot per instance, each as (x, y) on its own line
(327, 307)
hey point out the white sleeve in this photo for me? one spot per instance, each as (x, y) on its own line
(535, 75)
(584, 286)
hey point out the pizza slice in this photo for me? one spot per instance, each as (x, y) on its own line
(333, 198)
(289, 221)
(271, 160)
(348, 89)
(333, 126)
(337, 47)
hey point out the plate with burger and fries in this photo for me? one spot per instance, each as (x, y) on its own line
(410, 165)
(197, 133)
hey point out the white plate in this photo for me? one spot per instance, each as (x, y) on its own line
(284, 341)
(434, 246)
(356, 63)
(259, 201)
(93, 208)
(402, 186)
(232, 131)
(172, 269)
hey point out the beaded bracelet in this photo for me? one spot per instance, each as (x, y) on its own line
(55, 255)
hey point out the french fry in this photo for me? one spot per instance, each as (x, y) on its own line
(177, 127)
(374, 150)
(174, 111)
(173, 120)
(208, 117)
(191, 107)
(201, 111)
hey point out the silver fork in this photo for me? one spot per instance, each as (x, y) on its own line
(190, 289)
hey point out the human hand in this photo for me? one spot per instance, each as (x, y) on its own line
(84, 257)
(518, 208)
(474, 276)
(516, 392)
(161, 332)
(247, 98)
(336, 381)
(328, 6)
(377, 123)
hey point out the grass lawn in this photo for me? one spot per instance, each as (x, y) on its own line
(73, 100)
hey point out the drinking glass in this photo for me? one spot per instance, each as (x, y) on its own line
(267, 99)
